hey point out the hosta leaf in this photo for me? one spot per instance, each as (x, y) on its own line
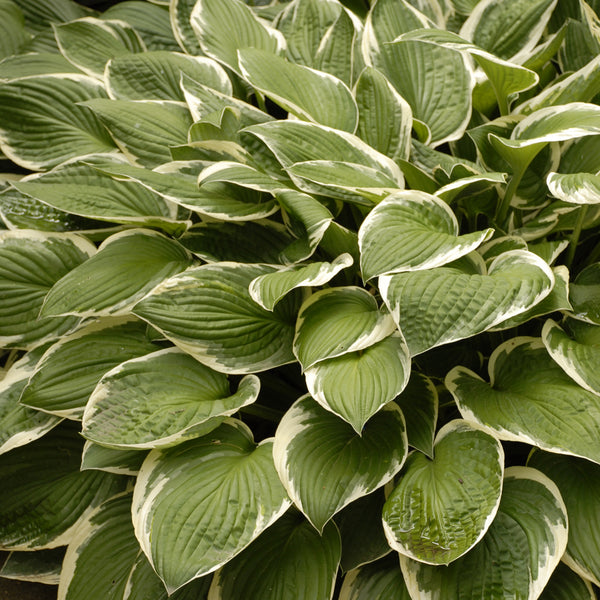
(419, 404)
(304, 92)
(584, 294)
(242, 175)
(20, 425)
(268, 289)
(79, 189)
(361, 528)
(40, 14)
(468, 186)
(31, 263)
(439, 97)
(32, 64)
(156, 75)
(201, 503)
(530, 399)
(184, 400)
(356, 385)
(180, 12)
(289, 560)
(409, 231)
(447, 304)
(507, 28)
(579, 357)
(325, 465)
(12, 29)
(144, 130)
(385, 118)
(335, 321)
(218, 202)
(125, 268)
(565, 584)
(225, 26)
(245, 242)
(43, 124)
(575, 188)
(516, 556)
(43, 566)
(208, 312)
(381, 580)
(578, 481)
(45, 495)
(443, 506)
(581, 156)
(295, 141)
(68, 372)
(150, 21)
(120, 462)
(89, 43)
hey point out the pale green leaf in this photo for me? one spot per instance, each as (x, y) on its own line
(289, 560)
(89, 43)
(126, 267)
(199, 504)
(385, 118)
(45, 495)
(70, 369)
(467, 187)
(33, 64)
(20, 425)
(225, 26)
(507, 28)
(356, 385)
(43, 566)
(335, 321)
(208, 312)
(412, 231)
(243, 175)
(183, 399)
(419, 404)
(578, 482)
(446, 304)
(575, 188)
(180, 12)
(380, 580)
(43, 124)
(268, 289)
(157, 75)
(306, 93)
(578, 357)
(40, 14)
(325, 465)
(31, 262)
(442, 507)
(120, 462)
(530, 399)
(516, 556)
(13, 35)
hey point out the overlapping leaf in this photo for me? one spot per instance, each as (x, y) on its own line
(530, 399)
(42, 566)
(325, 465)
(201, 503)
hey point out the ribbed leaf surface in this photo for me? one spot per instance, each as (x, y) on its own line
(325, 465)
(442, 507)
(575, 188)
(290, 560)
(382, 579)
(180, 12)
(161, 399)
(208, 312)
(199, 504)
(42, 566)
(530, 399)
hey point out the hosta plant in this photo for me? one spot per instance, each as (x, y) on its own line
(301, 300)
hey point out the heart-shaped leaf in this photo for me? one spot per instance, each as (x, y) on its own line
(208, 312)
(335, 321)
(126, 267)
(442, 507)
(530, 399)
(565, 584)
(575, 188)
(68, 372)
(268, 289)
(516, 556)
(304, 92)
(446, 304)
(185, 399)
(579, 484)
(325, 465)
(356, 385)
(276, 555)
(197, 505)
(409, 231)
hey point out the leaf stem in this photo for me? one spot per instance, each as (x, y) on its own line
(575, 235)
(511, 189)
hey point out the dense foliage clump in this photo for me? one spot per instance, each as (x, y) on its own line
(301, 300)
